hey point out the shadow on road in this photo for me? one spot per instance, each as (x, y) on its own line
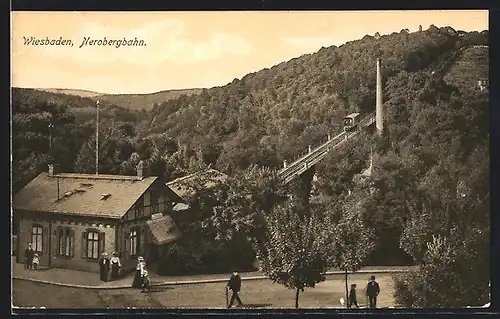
(38, 270)
(256, 305)
(159, 288)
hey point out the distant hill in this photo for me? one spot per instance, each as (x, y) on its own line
(147, 101)
(128, 101)
(82, 93)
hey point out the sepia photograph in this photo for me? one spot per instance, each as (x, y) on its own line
(250, 160)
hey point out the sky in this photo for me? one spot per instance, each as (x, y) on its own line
(192, 49)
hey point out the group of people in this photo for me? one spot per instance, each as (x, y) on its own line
(31, 258)
(372, 292)
(109, 268)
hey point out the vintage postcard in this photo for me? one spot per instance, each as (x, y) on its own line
(251, 160)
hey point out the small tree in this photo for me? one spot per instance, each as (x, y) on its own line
(352, 243)
(295, 250)
(417, 231)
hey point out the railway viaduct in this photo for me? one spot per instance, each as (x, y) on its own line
(303, 168)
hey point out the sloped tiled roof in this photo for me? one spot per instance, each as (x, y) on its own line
(180, 207)
(181, 186)
(82, 194)
(164, 230)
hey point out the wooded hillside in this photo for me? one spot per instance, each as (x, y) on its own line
(274, 114)
(264, 118)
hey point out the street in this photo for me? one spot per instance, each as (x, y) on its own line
(255, 294)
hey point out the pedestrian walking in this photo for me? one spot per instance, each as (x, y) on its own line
(372, 292)
(139, 271)
(29, 253)
(234, 284)
(104, 267)
(353, 300)
(36, 261)
(115, 266)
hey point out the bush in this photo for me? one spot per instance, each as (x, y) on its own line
(455, 273)
(409, 290)
(179, 261)
(198, 255)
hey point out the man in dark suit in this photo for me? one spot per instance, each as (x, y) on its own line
(234, 284)
(104, 266)
(29, 253)
(372, 291)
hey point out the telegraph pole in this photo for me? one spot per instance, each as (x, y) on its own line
(97, 141)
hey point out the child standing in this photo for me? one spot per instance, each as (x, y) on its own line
(146, 281)
(353, 300)
(36, 261)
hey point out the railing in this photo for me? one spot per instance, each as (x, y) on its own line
(313, 156)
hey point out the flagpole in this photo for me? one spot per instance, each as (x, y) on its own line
(97, 141)
(50, 138)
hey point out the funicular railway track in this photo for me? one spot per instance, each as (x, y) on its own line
(317, 154)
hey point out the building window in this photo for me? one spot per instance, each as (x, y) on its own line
(139, 207)
(154, 202)
(92, 245)
(37, 238)
(135, 242)
(66, 239)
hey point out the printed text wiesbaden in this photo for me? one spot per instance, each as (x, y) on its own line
(47, 41)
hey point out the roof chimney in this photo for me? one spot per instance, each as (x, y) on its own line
(140, 169)
(53, 169)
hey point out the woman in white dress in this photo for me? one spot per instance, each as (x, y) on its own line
(139, 271)
(115, 266)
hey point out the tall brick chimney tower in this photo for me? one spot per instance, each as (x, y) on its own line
(379, 112)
